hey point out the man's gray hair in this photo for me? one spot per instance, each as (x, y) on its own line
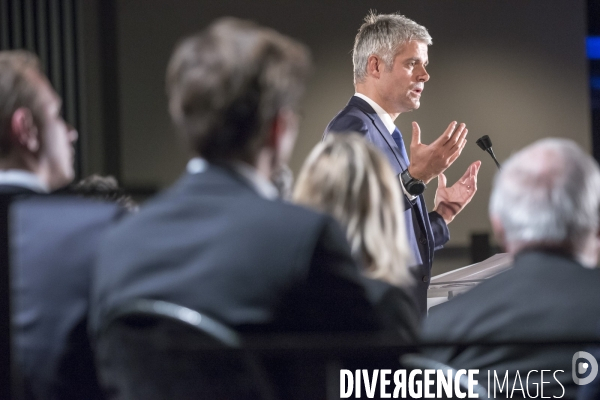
(384, 35)
(548, 194)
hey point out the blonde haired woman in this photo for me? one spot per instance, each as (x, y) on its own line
(349, 178)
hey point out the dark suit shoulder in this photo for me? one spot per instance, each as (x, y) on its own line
(54, 241)
(205, 196)
(72, 211)
(349, 119)
(221, 236)
(217, 209)
(539, 286)
(14, 190)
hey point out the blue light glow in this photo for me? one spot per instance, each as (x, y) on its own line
(593, 47)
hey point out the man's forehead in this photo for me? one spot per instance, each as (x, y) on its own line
(413, 49)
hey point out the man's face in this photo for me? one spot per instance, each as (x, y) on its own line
(56, 139)
(401, 86)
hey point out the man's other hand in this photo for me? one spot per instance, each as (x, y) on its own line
(449, 201)
(428, 161)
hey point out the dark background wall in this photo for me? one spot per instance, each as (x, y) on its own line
(514, 69)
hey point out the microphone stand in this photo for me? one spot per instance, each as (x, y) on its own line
(485, 144)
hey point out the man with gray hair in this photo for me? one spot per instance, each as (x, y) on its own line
(390, 56)
(544, 209)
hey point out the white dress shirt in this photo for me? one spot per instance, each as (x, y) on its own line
(383, 115)
(22, 178)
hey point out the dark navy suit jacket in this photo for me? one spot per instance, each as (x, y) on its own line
(426, 231)
(213, 244)
(53, 242)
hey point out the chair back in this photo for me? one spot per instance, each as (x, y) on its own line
(151, 350)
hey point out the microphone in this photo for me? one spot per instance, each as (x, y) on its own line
(485, 144)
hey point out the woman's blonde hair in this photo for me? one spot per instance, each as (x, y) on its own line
(350, 179)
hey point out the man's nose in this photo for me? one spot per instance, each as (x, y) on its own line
(423, 75)
(72, 132)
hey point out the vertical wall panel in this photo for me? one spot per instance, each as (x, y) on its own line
(111, 96)
(82, 122)
(4, 25)
(28, 25)
(55, 45)
(16, 24)
(70, 62)
(42, 31)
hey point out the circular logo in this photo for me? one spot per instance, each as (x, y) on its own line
(580, 368)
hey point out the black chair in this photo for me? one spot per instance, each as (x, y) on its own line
(154, 350)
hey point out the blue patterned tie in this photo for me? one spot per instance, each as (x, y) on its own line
(397, 136)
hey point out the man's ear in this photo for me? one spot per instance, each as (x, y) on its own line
(282, 134)
(284, 121)
(499, 232)
(24, 131)
(374, 66)
(275, 132)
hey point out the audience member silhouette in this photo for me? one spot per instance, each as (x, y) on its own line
(348, 178)
(544, 210)
(52, 238)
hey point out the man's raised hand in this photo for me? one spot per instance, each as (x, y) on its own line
(428, 161)
(449, 201)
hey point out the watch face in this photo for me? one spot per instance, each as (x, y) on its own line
(415, 188)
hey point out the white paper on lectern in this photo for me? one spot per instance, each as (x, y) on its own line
(449, 284)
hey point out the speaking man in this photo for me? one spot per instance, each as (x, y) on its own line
(544, 209)
(389, 57)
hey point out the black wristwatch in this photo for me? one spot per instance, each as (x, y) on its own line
(412, 185)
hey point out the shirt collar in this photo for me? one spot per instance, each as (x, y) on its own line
(22, 178)
(260, 184)
(381, 113)
(197, 165)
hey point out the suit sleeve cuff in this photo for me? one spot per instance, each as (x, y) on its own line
(410, 197)
(441, 234)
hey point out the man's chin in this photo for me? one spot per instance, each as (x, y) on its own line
(410, 107)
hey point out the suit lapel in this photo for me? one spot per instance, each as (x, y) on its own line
(418, 207)
(368, 110)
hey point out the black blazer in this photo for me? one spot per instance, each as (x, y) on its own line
(213, 244)
(543, 297)
(426, 232)
(53, 242)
